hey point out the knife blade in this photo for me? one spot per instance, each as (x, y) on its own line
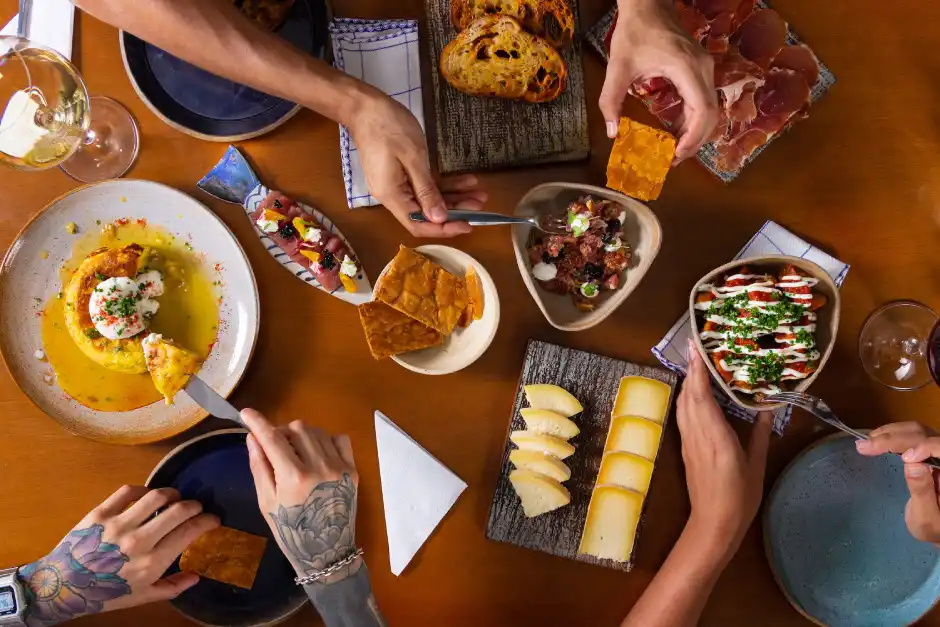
(211, 401)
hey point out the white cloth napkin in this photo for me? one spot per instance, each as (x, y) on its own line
(384, 54)
(771, 239)
(417, 491)
(51, 24)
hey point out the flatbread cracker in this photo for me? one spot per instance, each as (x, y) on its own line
(640, 160)
(423, 290)
(227, 555)
(390, 332)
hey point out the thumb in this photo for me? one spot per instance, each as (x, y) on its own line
(923, 508)
(426, 192)
(758, 446)
(172, 586)
(261, 468)
(612, 97)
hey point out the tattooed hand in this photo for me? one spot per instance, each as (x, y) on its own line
(306, 482)
(115, 557)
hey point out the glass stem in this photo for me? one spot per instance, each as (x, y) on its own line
(91, 138)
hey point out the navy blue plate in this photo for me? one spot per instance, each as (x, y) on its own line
(837, 543)
(213, 469)
(213, 108)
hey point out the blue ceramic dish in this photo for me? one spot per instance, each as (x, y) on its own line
(213, 469)
(837, 543)
(213, 108)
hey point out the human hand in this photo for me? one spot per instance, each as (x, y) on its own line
(647, 43)
(726, 484)
(910, 441)
(394, 155)
(307, 485)
(116, 556)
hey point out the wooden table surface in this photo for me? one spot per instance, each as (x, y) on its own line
(860, 178)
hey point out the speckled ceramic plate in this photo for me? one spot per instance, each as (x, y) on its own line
(837, 543)
(28, 281)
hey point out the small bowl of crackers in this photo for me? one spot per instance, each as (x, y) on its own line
(434, 310)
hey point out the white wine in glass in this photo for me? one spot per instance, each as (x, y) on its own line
(47, 118)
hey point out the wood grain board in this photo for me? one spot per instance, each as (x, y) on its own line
(475, 133)
(594, 380)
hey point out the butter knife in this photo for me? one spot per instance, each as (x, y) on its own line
(211, 401)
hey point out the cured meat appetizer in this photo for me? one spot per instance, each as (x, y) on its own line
(764, 84)
(587, 260)
(758, 328)
(306, 242)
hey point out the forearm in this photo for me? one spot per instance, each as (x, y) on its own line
(678, 593)
(347, 602)
(213, 35)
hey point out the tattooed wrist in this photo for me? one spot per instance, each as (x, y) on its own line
(347, 603)
(76, 579)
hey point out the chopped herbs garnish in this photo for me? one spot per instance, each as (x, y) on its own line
(100, 276)
(92, 334)
(805, 338)
(766, 368)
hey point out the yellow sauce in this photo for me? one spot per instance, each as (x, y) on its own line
(189, 315)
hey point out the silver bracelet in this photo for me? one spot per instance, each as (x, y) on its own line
(329, 570)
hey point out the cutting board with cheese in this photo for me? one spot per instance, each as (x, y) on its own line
(579, 490)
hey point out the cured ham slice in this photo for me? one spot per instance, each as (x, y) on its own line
(692, 20)
(762, 35)
(661, 97)
(800, 59)
(783, 92)
(714, 8)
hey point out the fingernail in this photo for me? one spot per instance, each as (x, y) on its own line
(916, 470)
(863, 446)
(908, 455)
(611, 129)
(250, 443)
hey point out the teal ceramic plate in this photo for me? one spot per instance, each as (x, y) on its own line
(837, 543)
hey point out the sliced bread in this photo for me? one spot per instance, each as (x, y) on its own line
(552, 20)
(493, 56)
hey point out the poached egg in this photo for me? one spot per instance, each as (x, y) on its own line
(121, 307)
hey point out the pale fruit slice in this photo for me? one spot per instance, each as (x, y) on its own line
(540, 463)
(610, 529)
(553, 398)
(626, 470)
(475, 293)
(634, 435)
(549, 422)
(545, 444)
(646, 398)
(539, 494)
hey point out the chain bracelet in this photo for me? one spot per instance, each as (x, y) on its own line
(329, 570)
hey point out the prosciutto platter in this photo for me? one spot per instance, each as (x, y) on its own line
(766, 77)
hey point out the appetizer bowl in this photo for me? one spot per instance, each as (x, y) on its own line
(827, 323)
(642, 233)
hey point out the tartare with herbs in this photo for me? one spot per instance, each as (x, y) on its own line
(589, 259)
(759, 328)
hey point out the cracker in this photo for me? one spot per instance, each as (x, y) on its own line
(640, 160)
(227, 555)
(390, 332)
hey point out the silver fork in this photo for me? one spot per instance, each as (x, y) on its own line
(817, 407)
(22, 25)
(549, 223)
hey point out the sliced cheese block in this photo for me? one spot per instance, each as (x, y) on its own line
(634, 435)
(545, 444)
(548, 422)
(610, 529)
(539, 494)
(626, 470)
(553, 398)
(540, 463)
(646, 398)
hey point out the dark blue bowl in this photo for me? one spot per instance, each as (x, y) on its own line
(213, 469)
(213, 108)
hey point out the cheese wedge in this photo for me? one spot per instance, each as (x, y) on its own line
(548, 422)
(610, 529)
(545, 444)
(626, 470)
(630, 434)
(646, 398)
(539, 494)
(553, 398)
(540, 463)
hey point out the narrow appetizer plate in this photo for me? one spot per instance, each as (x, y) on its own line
(207, 106)
(29, 278)
(213, 469)
(642, 233)
(827, 324)
(836, 540)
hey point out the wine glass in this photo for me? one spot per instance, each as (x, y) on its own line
(48, 119)
(900, 345)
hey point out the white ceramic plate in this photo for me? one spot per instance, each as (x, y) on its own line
(464, 346)
(27, 282)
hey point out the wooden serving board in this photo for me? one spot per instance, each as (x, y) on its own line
(475, 133)
(594, 380)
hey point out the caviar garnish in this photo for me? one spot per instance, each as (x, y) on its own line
(328, 260)
(613, 226)
(277, 204)
(287, 230)
(594, 271)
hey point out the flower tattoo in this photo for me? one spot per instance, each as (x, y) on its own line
(320, 532)
(75, 579)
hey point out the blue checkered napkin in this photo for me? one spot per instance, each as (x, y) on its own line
(772, 239)
(385, 54)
